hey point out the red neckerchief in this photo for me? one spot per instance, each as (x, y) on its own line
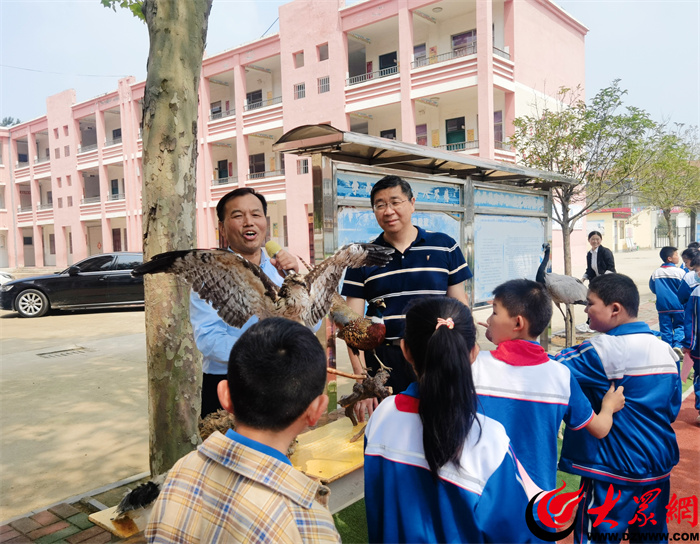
(520, 353)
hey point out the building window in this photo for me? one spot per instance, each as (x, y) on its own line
(49, 197)
(55, 133)
(324, 84)
(299, 59)
(303, 166)
(464, 43)
(60, 202)
(68, 181)
(66, 150)
(299, 91)
(498, 126)
(419, 58)
(254, 99)
(2, 197)
(65, 130)
(322, 52)
(57, 153)
(69, 202)
(58, 182)
(215, 109)
(70, 243)
(422, 134)
(256, 165)
(390, 134)
(52, 244)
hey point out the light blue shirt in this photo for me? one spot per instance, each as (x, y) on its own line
(213, 337)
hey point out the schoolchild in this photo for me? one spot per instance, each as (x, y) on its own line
(520, 386)
(240, 487)
(435, 469)
(664, 283)
(639, 452)
(691, 341)
(690, 279)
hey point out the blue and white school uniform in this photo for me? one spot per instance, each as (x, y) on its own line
(482, 500)
(641, 448)
(692, 337)
(664, 283)
(530, 394)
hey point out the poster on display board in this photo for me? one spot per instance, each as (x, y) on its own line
(505, 248)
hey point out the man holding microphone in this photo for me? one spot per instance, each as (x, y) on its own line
(242, 215)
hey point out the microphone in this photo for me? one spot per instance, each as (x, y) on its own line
(273, 248)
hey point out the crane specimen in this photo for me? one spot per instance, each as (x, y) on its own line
(562, 288)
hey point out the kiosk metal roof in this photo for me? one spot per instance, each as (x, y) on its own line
(352, 147)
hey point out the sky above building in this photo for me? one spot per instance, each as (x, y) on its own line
(47, 46)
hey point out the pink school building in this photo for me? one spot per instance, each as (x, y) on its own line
(449, 74)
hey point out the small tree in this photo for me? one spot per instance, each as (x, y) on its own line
(9, 122)
(603, 147)
(177, 31)
(672, 179)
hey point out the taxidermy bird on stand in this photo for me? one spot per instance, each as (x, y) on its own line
(563, 289)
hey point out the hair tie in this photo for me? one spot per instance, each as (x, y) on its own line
(450, 324)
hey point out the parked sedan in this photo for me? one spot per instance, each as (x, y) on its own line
(100, 281)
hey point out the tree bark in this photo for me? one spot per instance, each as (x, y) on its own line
(566, 229)
(177, 32)
(670, 228)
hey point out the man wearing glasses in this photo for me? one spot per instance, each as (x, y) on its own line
(424, 264)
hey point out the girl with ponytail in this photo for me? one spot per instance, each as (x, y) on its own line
(435, 469)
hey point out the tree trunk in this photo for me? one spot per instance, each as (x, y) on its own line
(566, 239)
(177, 32)
(670, 228)
(693, 225)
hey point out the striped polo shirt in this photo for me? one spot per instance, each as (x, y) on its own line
(432, 263)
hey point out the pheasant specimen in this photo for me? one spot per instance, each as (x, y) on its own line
(563, 289)
(239, 289)
(358, 332)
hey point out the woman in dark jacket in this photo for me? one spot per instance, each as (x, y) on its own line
(599, 260)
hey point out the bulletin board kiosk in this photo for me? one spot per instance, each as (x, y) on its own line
(499, 213)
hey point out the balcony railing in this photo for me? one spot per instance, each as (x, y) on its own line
(501, 53)
(45, 206)
(262, 103)
(221, 114)
(39, 160)
(113, 141)
(86, 148)
(22, 164)
(27, 208)
(459, 146)
(90, 199)
(454, 54)
(354, 80)
(117, 196)
(225, 181)
(268, 174)
(505, 146)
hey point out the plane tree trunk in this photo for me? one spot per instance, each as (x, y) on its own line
(177, 31)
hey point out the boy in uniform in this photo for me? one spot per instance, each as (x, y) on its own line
(526, 391)
(691, 342)
(241, 487)
(664, 283)
(624, 476)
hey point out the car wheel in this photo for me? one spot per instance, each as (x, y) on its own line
(32, 303)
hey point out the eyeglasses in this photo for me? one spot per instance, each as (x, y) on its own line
(393, 204)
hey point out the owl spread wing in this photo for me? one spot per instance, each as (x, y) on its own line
(322, 281)
(235, 287)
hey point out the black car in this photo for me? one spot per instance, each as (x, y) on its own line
(100, 281)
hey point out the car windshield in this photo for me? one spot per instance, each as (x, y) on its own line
(94, 264)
